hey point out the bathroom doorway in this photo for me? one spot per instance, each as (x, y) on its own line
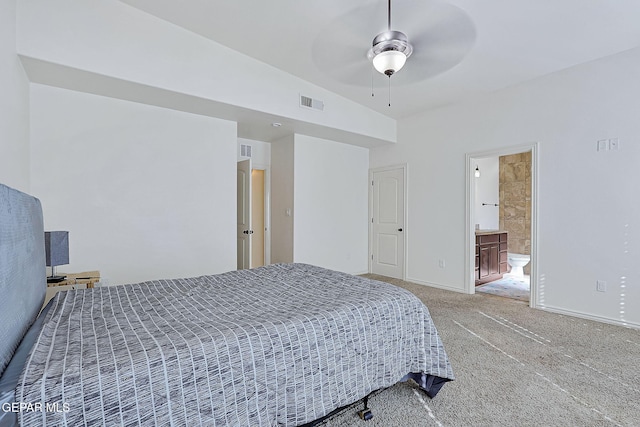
(501, 231)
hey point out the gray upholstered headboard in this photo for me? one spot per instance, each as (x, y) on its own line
(23, 280)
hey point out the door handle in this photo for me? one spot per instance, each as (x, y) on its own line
(399, 229)
(248, 231)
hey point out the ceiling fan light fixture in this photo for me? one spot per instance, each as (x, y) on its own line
(389, 52)
(389, 62)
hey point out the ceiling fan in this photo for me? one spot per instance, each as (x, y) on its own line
(435, 34)
(390, 49)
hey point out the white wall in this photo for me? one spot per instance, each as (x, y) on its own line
(589, 206)
(144, 191)
(260, 152)
(487, 191)
(323, 185)
(331, 204)
(14, 105)
(113, 39)
(282, 211)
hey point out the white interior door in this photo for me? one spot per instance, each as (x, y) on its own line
(244, 214)
(387, 222)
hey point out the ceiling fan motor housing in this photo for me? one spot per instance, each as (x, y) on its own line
(389, 51)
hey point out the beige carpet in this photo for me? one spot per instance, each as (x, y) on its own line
(516, 366)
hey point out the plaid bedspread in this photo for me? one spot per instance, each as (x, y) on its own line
(279, 345)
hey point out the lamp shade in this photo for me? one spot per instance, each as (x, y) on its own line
(389, 61)
(56, 245)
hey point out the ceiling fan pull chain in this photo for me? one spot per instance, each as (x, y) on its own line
(389, 91)
(372, 82)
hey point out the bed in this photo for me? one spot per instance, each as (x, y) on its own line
(281, 345)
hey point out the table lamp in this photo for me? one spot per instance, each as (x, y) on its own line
(56, 252)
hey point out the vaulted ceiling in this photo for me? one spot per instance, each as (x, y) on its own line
(462, 48)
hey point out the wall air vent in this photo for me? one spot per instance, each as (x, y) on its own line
(245, 150)
(307, 102)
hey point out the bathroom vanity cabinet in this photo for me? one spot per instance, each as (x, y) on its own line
(491, 256)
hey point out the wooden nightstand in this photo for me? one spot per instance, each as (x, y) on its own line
(84, 280)
(89, 278)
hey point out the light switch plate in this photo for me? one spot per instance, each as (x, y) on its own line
(603, 145)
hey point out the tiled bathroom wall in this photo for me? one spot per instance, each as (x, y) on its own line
(515, 202)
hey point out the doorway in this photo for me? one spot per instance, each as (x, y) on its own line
(243, 212)
(509, 215)
(253, 201)
(387, 210)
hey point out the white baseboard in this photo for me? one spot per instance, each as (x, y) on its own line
(436, 285)
(360, 274)
(617, 322)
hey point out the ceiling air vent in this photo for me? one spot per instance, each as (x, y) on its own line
(245, 150)
(307, 102)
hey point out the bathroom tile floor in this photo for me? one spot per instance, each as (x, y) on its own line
(509, 286)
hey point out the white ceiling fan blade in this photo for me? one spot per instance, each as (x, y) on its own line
(340, 50)
(343, 63)
(441, 35)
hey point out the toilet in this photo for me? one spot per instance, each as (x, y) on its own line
(517, 262)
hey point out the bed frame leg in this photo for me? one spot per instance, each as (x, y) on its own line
(366, 413)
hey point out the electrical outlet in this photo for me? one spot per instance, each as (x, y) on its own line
(441, 263)
(614, 144)
(601, 286)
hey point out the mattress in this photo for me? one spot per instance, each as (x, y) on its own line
(279, 345)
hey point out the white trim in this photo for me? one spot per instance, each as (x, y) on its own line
(435, 285)
(470, 158)
(592, 317)
(359, 273)
(405, 175)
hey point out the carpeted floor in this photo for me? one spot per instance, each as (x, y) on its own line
(516, 366)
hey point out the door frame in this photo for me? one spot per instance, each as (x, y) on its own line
(405, 175)
(243, 246)
(470, 158)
